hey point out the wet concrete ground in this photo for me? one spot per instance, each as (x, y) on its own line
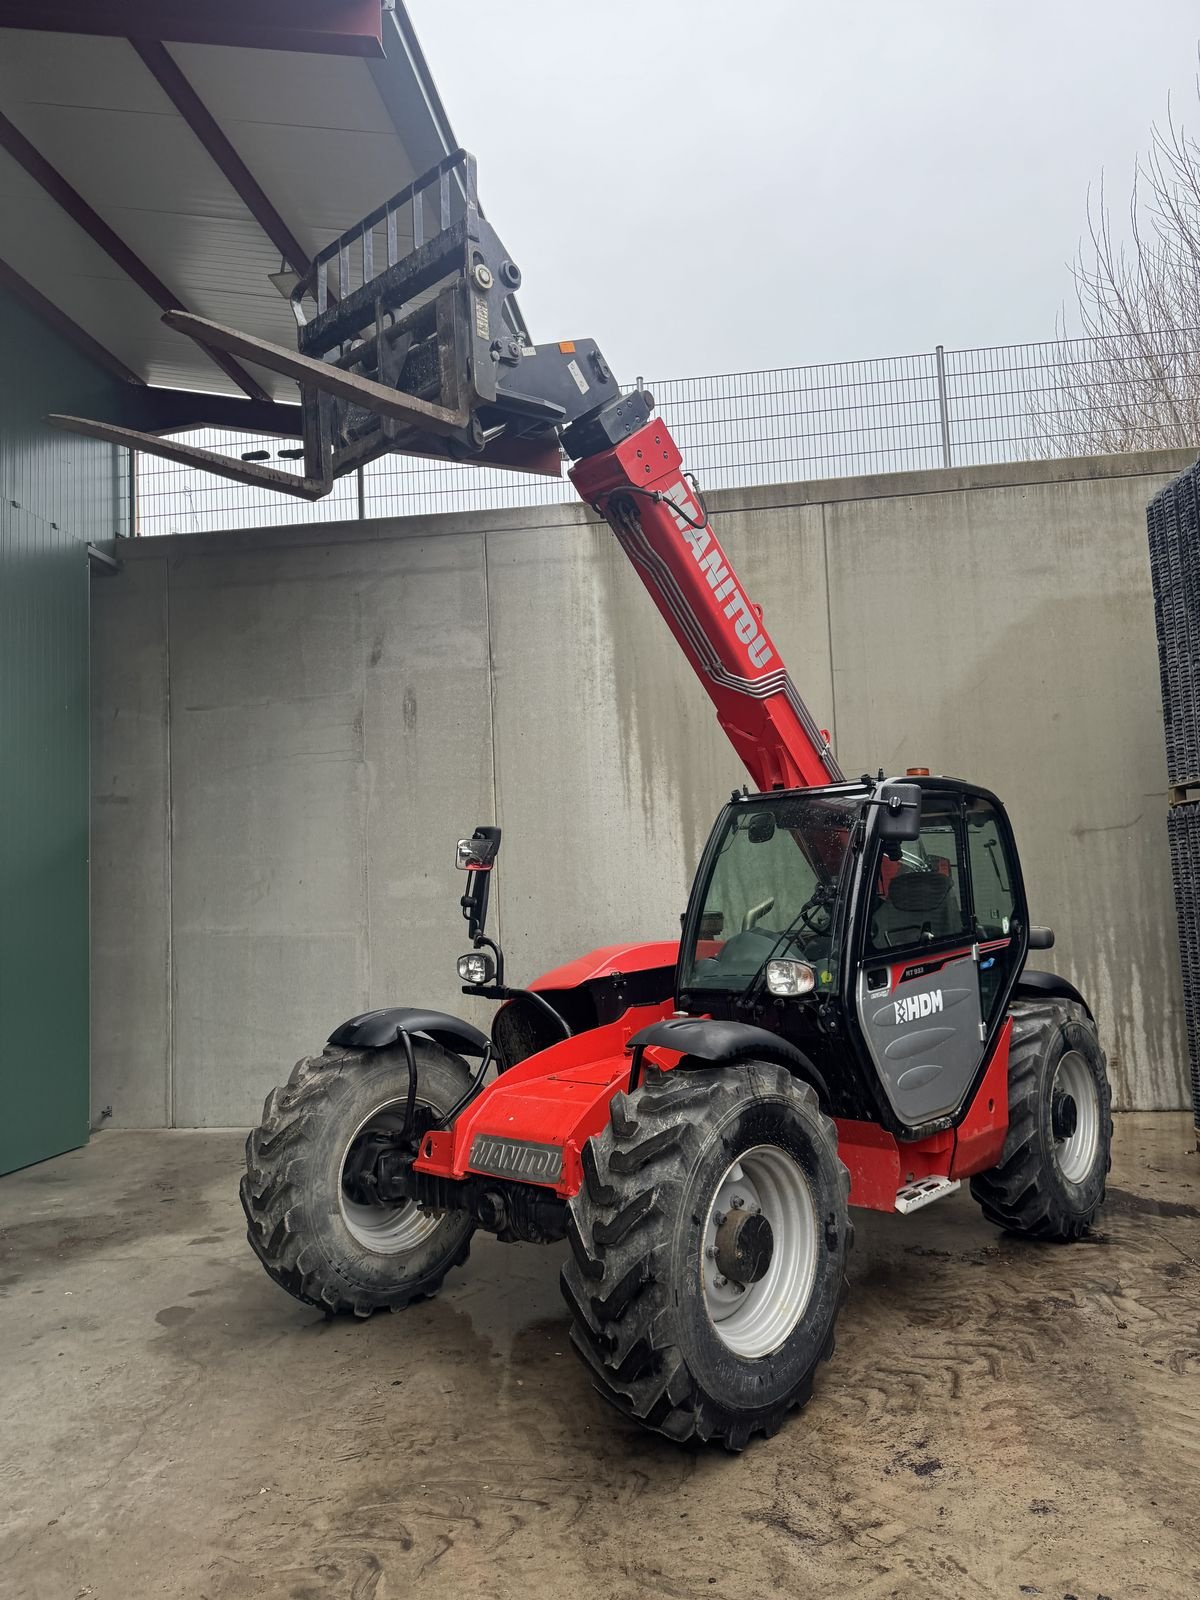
(999, 1419)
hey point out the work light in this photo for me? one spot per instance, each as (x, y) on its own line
(476, 967)
(788, 977)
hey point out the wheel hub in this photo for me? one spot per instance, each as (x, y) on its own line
(1064, 1116)
(384, 1226)
(744, 1246)
(760, 1251)
(1075, 1117)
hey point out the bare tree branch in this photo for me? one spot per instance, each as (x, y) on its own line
(1132, 381)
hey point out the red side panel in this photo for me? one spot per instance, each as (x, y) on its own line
(879, 1164)
(557, 1097)
(873, 1158)
(982, 1132)
(608, 959)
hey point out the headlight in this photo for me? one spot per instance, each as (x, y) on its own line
(790, 977)
(477, 967)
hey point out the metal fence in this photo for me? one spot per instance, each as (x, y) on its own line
(784, 424)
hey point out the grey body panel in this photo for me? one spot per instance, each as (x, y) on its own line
(924, 1036)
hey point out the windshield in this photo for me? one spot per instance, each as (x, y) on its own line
(771, 891)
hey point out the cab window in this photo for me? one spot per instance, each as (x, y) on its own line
(772, 890)
(919, 894)
(994, 900)
(991, 871)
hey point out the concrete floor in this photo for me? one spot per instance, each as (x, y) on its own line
(999, 1420)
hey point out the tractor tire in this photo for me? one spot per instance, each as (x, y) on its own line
(675, 1194)
(1049, 1182)
(319, 1243)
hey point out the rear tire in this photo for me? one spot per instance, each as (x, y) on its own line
(316, 1240)
(1049, 1182)
(667, 1339)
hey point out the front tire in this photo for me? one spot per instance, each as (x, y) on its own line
(317, 1236)
(1049, 1182)
(701, 1176)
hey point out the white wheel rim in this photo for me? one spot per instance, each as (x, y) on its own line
(756, 1319)
(1076, 1154)
(392, 1229)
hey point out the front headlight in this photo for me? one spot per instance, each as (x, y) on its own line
(477, 967)
(786, 977)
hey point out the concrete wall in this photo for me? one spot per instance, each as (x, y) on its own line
(291, 728)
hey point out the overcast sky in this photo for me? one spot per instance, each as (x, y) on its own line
(706, 186)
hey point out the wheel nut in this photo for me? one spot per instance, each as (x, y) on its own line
(738, 1202)
(720, 1282)
(710, 1252)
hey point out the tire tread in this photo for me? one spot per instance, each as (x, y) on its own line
(1019, 1194)
(614, 1281)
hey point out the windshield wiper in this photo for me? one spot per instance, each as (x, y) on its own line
(825, 895)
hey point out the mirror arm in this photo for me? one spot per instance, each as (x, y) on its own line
(475, 904)
(482, 942)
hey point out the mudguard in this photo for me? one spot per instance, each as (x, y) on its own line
(376, 1030)
(710, 1042)
(1048, 986)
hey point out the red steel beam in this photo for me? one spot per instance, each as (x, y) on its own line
(326, 27)
(94, 225)
(200, 120)
(70, 330)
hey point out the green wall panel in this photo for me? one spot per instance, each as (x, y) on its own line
(57, 493)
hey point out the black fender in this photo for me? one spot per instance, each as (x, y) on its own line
(1048, 985)
(376, 1030)
(710, 1042)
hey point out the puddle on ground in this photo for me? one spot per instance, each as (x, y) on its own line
(1147, 1205)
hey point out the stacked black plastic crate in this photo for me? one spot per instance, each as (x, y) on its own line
(1173, 519)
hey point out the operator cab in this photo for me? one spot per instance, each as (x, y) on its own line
(890, 914)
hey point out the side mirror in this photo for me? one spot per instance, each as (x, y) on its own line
(761, 827)
(477, 855)
(1041, 938)
(899, 811)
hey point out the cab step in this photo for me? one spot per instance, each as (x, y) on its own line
(924, 1192)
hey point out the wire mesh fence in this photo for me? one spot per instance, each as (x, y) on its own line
(940, 408)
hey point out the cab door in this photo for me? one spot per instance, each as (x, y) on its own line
(917, 986)
(997, 904)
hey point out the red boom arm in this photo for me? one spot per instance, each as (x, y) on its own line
(639, 489)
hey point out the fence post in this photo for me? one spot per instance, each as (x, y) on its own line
(943, 408)
(132, 530)
(362, 495)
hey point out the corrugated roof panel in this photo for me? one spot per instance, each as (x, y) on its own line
(119, 158)
(291, 90)
(313, 131)
(41, 242)
(69, 69)
(323, 183)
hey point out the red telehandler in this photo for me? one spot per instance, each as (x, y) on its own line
(847, 1019)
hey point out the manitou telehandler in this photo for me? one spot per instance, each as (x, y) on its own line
(847, 1019)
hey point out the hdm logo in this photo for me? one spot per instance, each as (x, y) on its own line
(918, 1005)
